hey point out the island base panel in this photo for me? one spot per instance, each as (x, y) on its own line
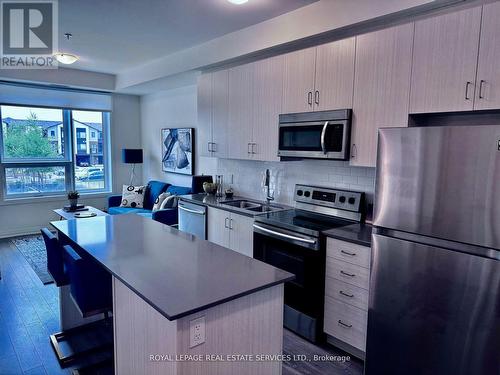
(250, 325)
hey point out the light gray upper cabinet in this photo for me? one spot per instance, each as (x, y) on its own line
(488, 69)
(444, 62)
(334, 79)
(381, 88)
(320, 78)
(220, 113)
(204, 129)
(298, 87)
(267, 103)
(241, 106)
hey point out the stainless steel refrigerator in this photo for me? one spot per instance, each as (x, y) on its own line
(434, 304)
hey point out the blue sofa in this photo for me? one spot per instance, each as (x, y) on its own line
(167, 216)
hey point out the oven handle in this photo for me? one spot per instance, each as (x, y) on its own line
(279, 234)
(323, 132)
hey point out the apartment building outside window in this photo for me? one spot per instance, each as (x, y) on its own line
(37, 157)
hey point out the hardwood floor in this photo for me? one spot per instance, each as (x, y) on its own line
(29, 312)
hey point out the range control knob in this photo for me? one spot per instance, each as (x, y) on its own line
(300, 193)
(307, 194)
(352, 200)
(342, 199)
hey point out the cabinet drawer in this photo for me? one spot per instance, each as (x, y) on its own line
(346, 323)
(347, 272)
(347, 293)
(349, 252)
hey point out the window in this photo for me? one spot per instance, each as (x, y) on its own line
(89, 169)
(36, 157)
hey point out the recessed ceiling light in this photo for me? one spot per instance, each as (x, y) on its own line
(65, 58)
(238, 2)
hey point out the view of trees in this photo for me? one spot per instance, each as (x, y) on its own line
(27, 140)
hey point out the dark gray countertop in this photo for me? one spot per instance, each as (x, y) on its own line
(356, 233)
(213, 201)
(175, 272)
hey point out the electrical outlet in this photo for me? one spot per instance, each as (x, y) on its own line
(196, 332)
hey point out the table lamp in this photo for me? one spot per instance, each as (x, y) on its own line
(132, 156)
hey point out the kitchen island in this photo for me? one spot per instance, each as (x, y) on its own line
(164, 281)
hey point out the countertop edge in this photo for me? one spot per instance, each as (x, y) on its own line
(223, 207)
(188, 312)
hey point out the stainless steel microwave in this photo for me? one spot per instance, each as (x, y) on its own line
(318, 135)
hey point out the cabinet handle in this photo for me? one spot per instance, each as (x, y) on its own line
(347, 274)
(231, 224)
(254, 145)
(316, 97)
(348, 253)
(249, 149)
(354, 149)
(467, 90)
(226, 223)
(481, 84)
(208, 146)
(344, 324)
(310, 98)
(214, 147)
(346, 294)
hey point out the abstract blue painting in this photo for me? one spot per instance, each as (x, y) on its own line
(177, 150)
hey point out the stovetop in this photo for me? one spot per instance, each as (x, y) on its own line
(302, 221)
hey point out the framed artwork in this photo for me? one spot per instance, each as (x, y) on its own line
(177, 150)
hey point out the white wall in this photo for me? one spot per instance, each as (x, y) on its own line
(171, 108)
(23, 217)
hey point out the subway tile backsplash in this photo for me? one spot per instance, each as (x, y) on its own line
(248, 177)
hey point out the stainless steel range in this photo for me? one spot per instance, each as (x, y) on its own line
(292, 240)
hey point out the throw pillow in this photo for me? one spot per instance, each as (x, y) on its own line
(159, 201)
(132, 196)
(169, 202)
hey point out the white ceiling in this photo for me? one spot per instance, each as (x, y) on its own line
(114, 35)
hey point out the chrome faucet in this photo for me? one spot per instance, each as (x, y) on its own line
(267, 184)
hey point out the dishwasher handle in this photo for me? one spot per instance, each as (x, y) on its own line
(191, 211)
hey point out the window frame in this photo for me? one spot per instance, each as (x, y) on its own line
(68, 161)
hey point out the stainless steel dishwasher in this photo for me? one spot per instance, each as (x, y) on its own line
(193, 219)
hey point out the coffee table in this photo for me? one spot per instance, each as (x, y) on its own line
(64, 215)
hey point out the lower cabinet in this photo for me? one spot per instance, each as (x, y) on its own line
(231, 230)
(346, 293)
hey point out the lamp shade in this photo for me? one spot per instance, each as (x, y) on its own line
(132, 155)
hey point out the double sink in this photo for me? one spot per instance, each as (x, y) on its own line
(252, 206)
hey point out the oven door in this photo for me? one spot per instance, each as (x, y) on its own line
(321, 139)
(304, 296)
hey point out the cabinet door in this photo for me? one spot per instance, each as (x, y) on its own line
(216, 224)
(239, 131)
(334, 75)
(267, 101)
(488, 70)
(381, 88)
(220, 83)
(204, 129)
(241, 234)
(444, 62)
(298, 87)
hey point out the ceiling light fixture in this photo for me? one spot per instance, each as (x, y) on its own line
(65, 58)
(238, 2)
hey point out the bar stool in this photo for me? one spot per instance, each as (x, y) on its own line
(90, 285)
(55, 264)
(90, 289)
